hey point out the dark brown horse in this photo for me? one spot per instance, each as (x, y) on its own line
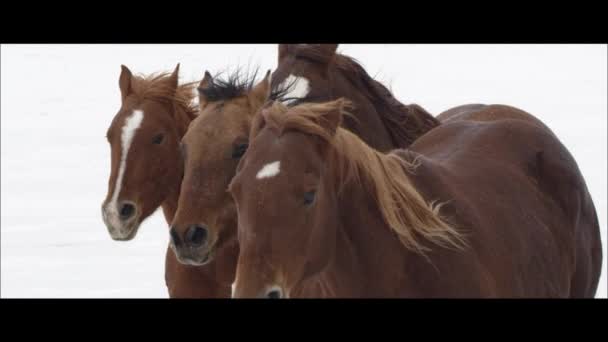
(487, 208)
(146, 169)
(316, 73)
(206, 219)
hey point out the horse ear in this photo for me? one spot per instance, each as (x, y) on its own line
(261, 92)
(204, 84)
(328, 50)
(206, 81)
(332, 118)
(124, 81)
(283, 51)
(174, 78)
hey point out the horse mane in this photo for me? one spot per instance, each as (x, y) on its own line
(236, 84)
(385, 176)
(156, 86)
(404, 123)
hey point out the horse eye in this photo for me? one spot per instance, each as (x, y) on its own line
(158, 139)
(239, 150)
(309, 197)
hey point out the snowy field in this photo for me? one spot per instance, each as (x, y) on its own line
(58, 101)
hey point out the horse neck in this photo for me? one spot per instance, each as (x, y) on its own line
(383, 121)
(367, 123)
(169, 205)
(344, 275)
(356, 261)
(365, 248)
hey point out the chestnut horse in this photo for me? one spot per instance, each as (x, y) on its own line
(204, 227)
(472, 209)
(146, 169)
(206, 218)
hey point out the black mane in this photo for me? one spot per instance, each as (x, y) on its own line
(279, 93)
(238, 83)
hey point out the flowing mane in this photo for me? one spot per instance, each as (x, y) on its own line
(404, 123)
(237, 83)
(156, 86)
(385, 176)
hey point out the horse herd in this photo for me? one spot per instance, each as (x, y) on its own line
(317, 182)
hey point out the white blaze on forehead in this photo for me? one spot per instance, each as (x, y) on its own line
(132, 123)
(299, 86)
(269, 170)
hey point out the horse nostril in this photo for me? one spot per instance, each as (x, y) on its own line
(126, 211)
(196, 235)
(175, 237)
(274, 294)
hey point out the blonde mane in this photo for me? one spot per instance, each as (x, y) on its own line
(384, 176)
(156, 86)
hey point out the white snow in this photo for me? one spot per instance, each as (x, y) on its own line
(57, 102)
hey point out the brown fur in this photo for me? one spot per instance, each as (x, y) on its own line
(225, 122)
(156, 87)
(222, 126)
(381, 175)
(510, 185)
(378, 117)
(154, 173)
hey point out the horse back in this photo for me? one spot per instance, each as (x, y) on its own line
(519, 196)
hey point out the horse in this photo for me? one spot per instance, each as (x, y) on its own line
(321, 74)
(206, 217)
(146, 169)
(204, 227)
(472, 209)
(317, 73)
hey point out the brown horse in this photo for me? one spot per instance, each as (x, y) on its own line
(146, 169)
(320, 74)
(205, 222)
(204, 227)
(473, 209)
(316, 73)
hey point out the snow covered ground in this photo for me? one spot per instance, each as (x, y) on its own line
(58, 100)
